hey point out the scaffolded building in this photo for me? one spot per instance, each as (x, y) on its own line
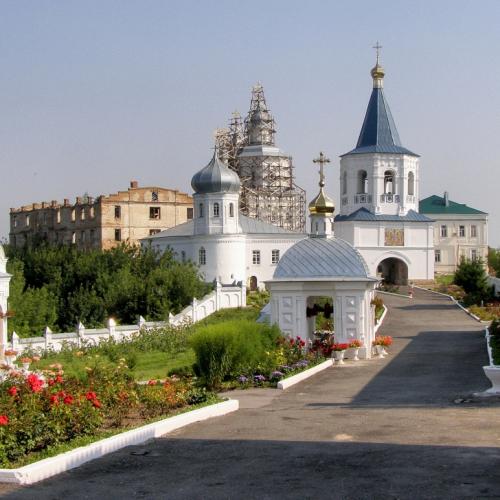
(268, 191)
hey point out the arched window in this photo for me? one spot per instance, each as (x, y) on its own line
(411, 183)
(344, 182)
(362, 182)
(202, 257)
(389, 182)
(216, 209)
(231, 210)
(200, 209)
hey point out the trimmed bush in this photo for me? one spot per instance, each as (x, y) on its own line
(227, 349)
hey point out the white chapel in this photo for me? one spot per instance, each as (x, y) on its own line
(228, 246)
(379, 185)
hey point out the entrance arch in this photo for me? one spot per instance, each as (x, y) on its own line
(393, 271)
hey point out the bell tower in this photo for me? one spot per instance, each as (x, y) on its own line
(379, 174)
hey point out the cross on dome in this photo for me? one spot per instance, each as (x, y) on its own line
(377, 47)
(322, 160)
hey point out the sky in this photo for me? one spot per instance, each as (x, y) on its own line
(95, 94)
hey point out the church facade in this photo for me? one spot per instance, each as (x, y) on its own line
(379, 183)
(228, 247)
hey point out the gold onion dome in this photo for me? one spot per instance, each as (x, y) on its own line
(377, 72)
(322, 204)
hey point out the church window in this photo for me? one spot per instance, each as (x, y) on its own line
(202, 257)
(118, 212)
(231, 210)
(444, 231)
(92, 235)
(473, 231)
(154, 231)
(461, 231)
(275, 256)
(256, 257)
(27, 220)
(82, 237)
(189, 213)
(91, 212)
(58, 216)
(437, 255)
(344, 182)
(154, 195)
(73, 214)
(155, 213)
(362, 182)
(389, 182)
(118, 235)
(200, 209)
(14, 221)
(216, 210)
(73, 237)
(411, 183)
(82, 213)
(473, 254)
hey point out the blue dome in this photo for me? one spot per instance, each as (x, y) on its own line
(216, 177)
(321, 258)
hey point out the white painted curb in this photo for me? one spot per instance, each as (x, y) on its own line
(381, 320)
(295, 379)
(48, 467)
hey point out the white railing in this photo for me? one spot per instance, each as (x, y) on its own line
(363, 198)
(389, 198)
(222, 297)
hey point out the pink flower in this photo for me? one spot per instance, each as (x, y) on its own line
(4, 419)
(152, 382)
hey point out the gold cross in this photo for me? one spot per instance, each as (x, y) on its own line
(377, 47)
(322, 160)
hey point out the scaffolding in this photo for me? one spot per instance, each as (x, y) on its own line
(268, 191)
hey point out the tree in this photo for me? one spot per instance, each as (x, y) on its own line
(494, 261)
(472, 277)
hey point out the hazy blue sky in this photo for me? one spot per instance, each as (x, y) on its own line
(96, 93)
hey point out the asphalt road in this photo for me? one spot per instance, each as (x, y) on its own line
(401, 427)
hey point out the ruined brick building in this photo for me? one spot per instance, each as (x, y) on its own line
(101, 222)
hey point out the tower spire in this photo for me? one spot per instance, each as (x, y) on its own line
(259, 124)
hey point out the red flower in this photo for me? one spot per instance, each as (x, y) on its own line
(292, 341)
(13, 391)
(4, 419)
(91, 395)
(59, 379)
(54, 400)
(152, 382)
(51, 382)
(96, 403)
(68, 399)
(34, 382)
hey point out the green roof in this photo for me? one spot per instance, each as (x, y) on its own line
(436, 205)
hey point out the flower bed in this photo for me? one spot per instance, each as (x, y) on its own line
(42, 410)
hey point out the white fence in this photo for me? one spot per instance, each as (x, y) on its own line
(222, 297)
(495, 282)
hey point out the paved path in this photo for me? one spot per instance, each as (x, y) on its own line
(385, 429)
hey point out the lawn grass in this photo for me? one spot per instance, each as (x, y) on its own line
(444, 279)
(145, 364)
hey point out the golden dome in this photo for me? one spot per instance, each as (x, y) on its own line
(322, 204)
(377, 72)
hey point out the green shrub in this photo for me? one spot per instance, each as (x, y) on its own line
(230, 348)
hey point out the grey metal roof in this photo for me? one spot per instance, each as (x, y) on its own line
(379, 133)
(363, 214)
(321, 258)
(216, 177)
(247, 224)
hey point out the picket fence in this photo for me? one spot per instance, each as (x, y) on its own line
(222, 297)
